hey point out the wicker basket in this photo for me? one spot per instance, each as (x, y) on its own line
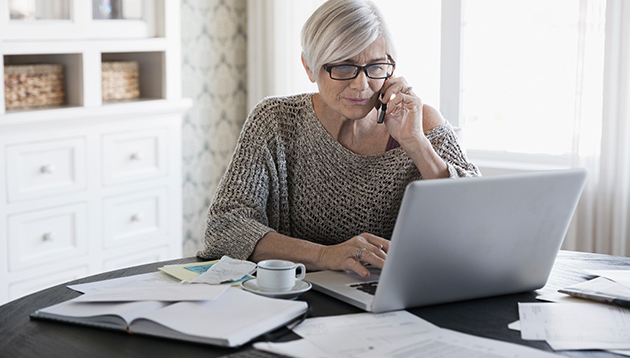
(120, 80)
(34, 85)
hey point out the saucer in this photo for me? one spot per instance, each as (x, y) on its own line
(300, 287)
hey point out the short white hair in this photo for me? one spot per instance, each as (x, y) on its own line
(341, 29)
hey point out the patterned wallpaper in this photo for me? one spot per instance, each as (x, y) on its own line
(214, 75)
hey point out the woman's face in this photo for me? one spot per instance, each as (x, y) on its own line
(356, 98)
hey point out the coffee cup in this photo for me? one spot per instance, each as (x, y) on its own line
(278, 275)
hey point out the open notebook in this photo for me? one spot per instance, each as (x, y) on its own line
(233, 319)
(458, 239)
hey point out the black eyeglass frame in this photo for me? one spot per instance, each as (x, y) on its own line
(329, 68)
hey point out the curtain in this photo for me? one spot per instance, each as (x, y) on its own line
(274, 49)
(601, 221)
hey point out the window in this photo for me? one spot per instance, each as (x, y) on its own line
(518, 76)
(524, 67)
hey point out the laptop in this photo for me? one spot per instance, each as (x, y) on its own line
(461, 239)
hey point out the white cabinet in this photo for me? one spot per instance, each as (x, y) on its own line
(90, 185)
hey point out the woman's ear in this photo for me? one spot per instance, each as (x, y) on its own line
(308, 70)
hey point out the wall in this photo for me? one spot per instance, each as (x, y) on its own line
(214, 67)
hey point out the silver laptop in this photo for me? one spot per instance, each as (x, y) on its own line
(459, 239)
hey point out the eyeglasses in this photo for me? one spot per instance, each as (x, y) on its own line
(377, 71)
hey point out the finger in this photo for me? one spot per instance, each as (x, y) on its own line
(379, 244)
(358, 267)
(377, 251)
(373, 259)
(394, 88)
(371, 250)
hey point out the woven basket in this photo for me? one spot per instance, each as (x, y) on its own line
(120, 80)
(35, 85)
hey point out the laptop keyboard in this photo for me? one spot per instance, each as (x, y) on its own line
(367, 287)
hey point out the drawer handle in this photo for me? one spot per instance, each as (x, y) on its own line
(47, 169)
(137, 217)
(48, 237)
(137, 156)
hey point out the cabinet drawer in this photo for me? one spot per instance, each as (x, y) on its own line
(134, 155)
(46, 235)
(45, 168)
(135, 217)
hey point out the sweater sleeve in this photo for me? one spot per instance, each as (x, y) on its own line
(237, 217)
(445, 142)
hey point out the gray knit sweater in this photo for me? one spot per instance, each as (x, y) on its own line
(289, 175)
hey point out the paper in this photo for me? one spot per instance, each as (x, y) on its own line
(444, 343)
(298, 348)
(397, 334)
(226, 270)
(168, 293)
(576, 326)
(601, 289)
(185, 272)
(136, 281)
(154, 286)
(619, 276)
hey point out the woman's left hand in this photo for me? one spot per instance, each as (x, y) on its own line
(404, 111)
(405, 122)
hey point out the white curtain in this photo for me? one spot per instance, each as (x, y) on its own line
(601, 222)
(274, 49)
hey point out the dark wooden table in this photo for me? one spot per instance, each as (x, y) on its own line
(21, 336)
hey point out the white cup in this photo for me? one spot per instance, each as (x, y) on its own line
(278, 275)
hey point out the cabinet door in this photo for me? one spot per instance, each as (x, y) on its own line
(135, 218)
(134, 155)
(48, 168)
(45, 236)
(79, 19)
(42, 19)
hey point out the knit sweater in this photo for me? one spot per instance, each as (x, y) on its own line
(289, 175)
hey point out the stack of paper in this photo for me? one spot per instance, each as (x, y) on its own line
(578, 324)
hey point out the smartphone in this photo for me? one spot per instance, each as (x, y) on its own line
(381, 113)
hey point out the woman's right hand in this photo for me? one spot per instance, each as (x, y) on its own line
(354, 253)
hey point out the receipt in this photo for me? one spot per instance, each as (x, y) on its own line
(226, 270)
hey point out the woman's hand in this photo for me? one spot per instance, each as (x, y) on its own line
(404, 111)
(355, 253)
(407, 118)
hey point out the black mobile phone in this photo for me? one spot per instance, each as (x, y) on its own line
(381, 113)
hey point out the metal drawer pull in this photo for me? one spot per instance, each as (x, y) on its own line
(137, 217)
(136, 156)
(47, 169)
(48, 237)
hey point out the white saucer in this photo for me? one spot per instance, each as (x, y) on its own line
(300, 287)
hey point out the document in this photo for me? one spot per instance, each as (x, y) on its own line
(601, 289)
(170, 293)
(576, 325)
(188, 271)
(392, 334)
(154, 286)
(153, 279)
(620, 276)
(227, 270)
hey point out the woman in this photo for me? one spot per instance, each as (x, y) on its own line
(315, 178)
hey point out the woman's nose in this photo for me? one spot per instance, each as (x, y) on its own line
(360, 82)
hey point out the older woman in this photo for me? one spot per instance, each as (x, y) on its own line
(315, 178)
